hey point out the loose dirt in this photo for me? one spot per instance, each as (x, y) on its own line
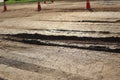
(64, 41)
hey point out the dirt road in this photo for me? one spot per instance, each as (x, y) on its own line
(62, 42)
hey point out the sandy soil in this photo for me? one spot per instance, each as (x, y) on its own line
(64, 41)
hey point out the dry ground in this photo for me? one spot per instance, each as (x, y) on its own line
(62, 42)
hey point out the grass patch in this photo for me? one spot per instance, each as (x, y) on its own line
(19, 1)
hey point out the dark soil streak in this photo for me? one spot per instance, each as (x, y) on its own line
(90, 21)
(94, 48)
(95, 21)
(39, 39)
(38, 69)
(61, 37)
(62, 30)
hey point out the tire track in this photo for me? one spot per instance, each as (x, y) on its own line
(107, 44)
(39, 69)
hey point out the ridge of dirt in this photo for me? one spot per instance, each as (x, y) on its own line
(107, 44)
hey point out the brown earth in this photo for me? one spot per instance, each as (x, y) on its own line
(64, 41)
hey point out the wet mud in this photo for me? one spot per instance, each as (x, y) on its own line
(97, 21)
(107, 44)
(62, 37)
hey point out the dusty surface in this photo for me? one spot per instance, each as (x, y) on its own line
(62, 42)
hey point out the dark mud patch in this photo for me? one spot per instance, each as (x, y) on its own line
(88, 43)
(94, 48)
(39, 69)
(61, 37)
(97, 21)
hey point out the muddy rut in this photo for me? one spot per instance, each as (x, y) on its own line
(107, 44)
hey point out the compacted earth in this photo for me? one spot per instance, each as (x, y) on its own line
(63, 41)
